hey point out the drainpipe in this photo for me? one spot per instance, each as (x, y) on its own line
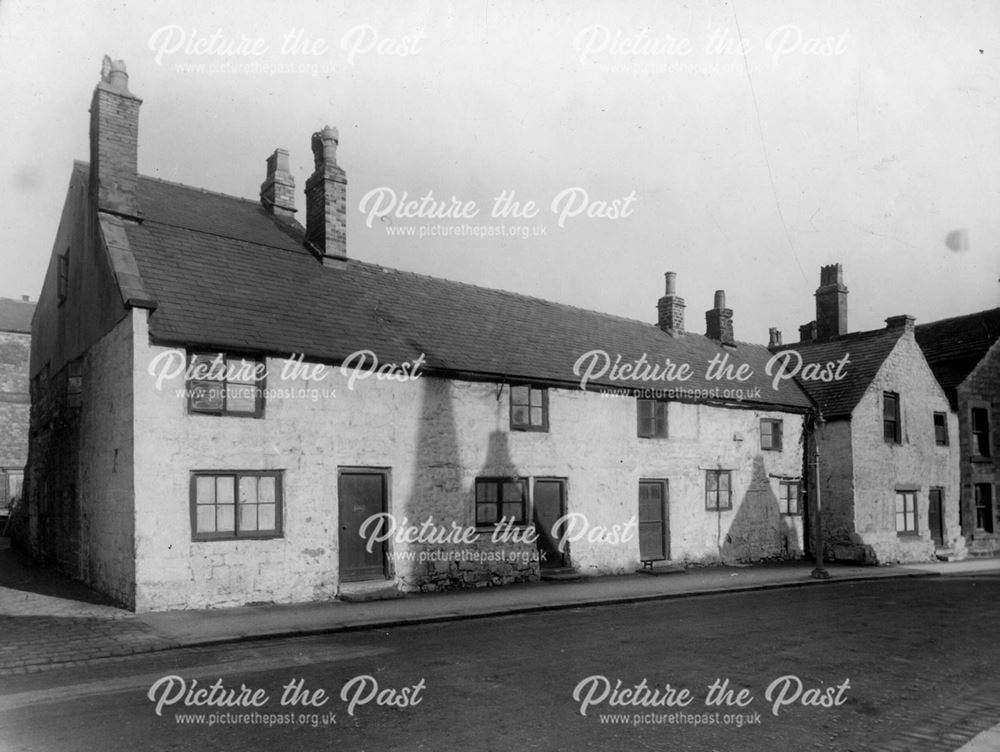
(820, 572)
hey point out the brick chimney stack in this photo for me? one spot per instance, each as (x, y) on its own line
(114, 142)
(719, 321)
(831, 303)
(326, 200)
(670, 307)
(277, 192)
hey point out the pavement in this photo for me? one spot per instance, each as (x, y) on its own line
(48, 621)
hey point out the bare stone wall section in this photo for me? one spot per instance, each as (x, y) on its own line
(880, 467)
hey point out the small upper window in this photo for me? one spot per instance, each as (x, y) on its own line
(770, 434)
(980, 432)
(224, 384)
(651, 419)
(940, 429)
(529, 408)
(890, 418)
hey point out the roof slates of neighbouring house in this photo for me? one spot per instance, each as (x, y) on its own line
(226, 275)
(954, 346)
(15, 315)
(866, 350)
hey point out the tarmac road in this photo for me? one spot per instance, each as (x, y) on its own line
(891, 664)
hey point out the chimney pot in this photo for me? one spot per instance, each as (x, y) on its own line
(775, 337)
(671, 279)
(720, 299)
(25, 299)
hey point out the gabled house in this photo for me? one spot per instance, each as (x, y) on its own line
(888, 485)
(15, 344)
(227, 408)
(965, 357)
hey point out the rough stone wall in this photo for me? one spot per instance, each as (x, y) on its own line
(880, 467)
(105, 471)
(981, 388)
(436, 437)
(79, 478)
(14, 402)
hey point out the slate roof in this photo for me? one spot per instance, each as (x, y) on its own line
(15, 315)
(225, 274)
(866, 350)
(954, 346)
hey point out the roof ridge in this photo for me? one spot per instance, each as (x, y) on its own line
(843, 338)
(199, 189)
(512, 293)
(960, 316)
(178, 184)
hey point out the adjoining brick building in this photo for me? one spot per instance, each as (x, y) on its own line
(964, 354)
(15, 346)
(888, 484)
(169, 472)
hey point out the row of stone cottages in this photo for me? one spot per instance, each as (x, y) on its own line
(215, 420)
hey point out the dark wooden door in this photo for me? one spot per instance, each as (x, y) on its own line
(935, 517)
(549, 506)
(654, 530)
(362, 494)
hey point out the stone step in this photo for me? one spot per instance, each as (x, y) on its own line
(561, 574)
(982, 552)
(662, 567)
(949, 554)
(369, 590)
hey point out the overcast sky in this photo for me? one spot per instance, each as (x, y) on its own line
(746, 144)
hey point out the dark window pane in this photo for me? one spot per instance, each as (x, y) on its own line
(513, 510)
(513, 491)
(207, 396)
(486, 514)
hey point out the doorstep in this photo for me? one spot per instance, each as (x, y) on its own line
(368, 590)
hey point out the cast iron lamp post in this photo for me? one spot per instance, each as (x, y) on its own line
(820, 572)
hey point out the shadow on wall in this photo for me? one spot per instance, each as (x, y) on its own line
(437, 481)
(439, 490)
(758, 530)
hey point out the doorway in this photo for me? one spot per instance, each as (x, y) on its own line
(362, 493)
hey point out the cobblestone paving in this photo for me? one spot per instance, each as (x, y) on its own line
(47, 620)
